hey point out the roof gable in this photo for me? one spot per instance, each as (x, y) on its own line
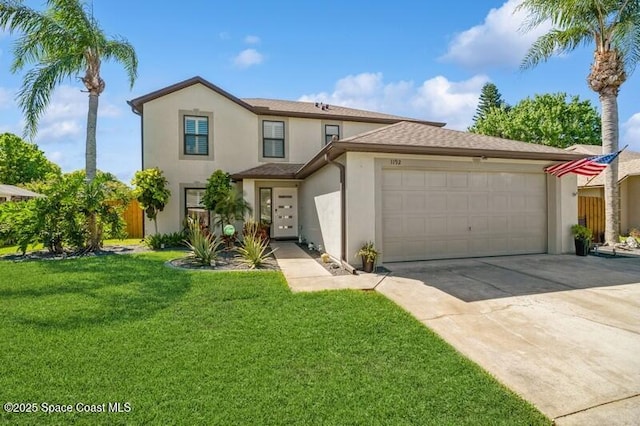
(280, 107)
(137, 104)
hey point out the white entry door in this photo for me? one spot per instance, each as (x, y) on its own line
(285, 212)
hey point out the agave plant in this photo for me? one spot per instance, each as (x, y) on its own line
(204, 247)
(253, 250)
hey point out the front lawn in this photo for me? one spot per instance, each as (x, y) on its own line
(225, 348)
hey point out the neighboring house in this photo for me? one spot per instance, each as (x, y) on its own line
(15, 193)
(339, 176)
(628, 182)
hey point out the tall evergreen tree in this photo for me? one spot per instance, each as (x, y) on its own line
(490, 97)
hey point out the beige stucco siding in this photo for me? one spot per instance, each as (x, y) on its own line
(231, 137)
(320, 220)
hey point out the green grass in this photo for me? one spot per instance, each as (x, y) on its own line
(226, 348)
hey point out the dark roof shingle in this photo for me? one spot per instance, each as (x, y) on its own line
(269, 171)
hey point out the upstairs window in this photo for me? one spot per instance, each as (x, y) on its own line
(196, 135)
(331, 130)
(273, 139)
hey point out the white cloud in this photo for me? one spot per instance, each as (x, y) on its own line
(436, 99)
(59, 130)
(497, 42)
(224, 35)
(631, 133)
(66, 114)
(453, 102)
(251, 39)
(247, 58)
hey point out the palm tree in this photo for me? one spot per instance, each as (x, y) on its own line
(614, 27)
(62, 42)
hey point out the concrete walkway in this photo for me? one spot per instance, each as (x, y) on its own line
(305, 274)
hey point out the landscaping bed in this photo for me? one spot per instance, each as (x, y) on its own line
(227, 260)
(333, 267)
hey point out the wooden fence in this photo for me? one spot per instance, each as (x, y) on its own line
(133, 216)
(591, 215)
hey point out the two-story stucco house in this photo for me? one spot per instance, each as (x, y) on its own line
(339, 176)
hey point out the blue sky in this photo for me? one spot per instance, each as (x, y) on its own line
(425, 60)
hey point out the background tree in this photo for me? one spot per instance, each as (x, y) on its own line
(614, 27)
(490, 97)
(218, 186)
(546, 119)
(60, 220)
(63, 42)
(151, 192)
(22, 162)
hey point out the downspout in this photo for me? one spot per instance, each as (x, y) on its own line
(343, 213)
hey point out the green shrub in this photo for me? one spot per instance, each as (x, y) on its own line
(171, 240)
(253, 250)
(204, 246)
(580, 232)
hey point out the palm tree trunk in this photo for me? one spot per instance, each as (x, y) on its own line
(609, 103)
(90, 167)
(90, 149)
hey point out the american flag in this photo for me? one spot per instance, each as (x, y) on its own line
(591, 166)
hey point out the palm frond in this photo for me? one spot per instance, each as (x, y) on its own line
(555, 42)
(122, 51)
(38, 86)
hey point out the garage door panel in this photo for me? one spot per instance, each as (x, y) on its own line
(447, 214)
(416, 226)
(415, 202)
(499, 202)
(457, 202)
(479, 202)
(436, 179)
(392, 201)
(392, 179)
(457, 180)
(413, 179)
(437, 225)
(437, 202)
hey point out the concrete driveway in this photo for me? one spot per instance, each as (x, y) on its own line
(561, 331)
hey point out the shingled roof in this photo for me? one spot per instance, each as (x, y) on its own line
(281, 107)
(326, 111)
(628, 164)
(269, 171)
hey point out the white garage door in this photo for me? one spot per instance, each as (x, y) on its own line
(452, 214)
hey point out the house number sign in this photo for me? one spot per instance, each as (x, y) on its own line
(395, 162)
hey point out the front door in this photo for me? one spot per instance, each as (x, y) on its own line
(285, 212)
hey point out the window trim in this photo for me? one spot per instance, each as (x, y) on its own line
(184, 188)
(260, 211)
(185, 134)
(261, 156)
(323, 131)
(182, 154)
(264, 139)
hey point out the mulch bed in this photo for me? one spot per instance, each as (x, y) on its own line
(330, 266)
(47, 255)
(228, 260)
